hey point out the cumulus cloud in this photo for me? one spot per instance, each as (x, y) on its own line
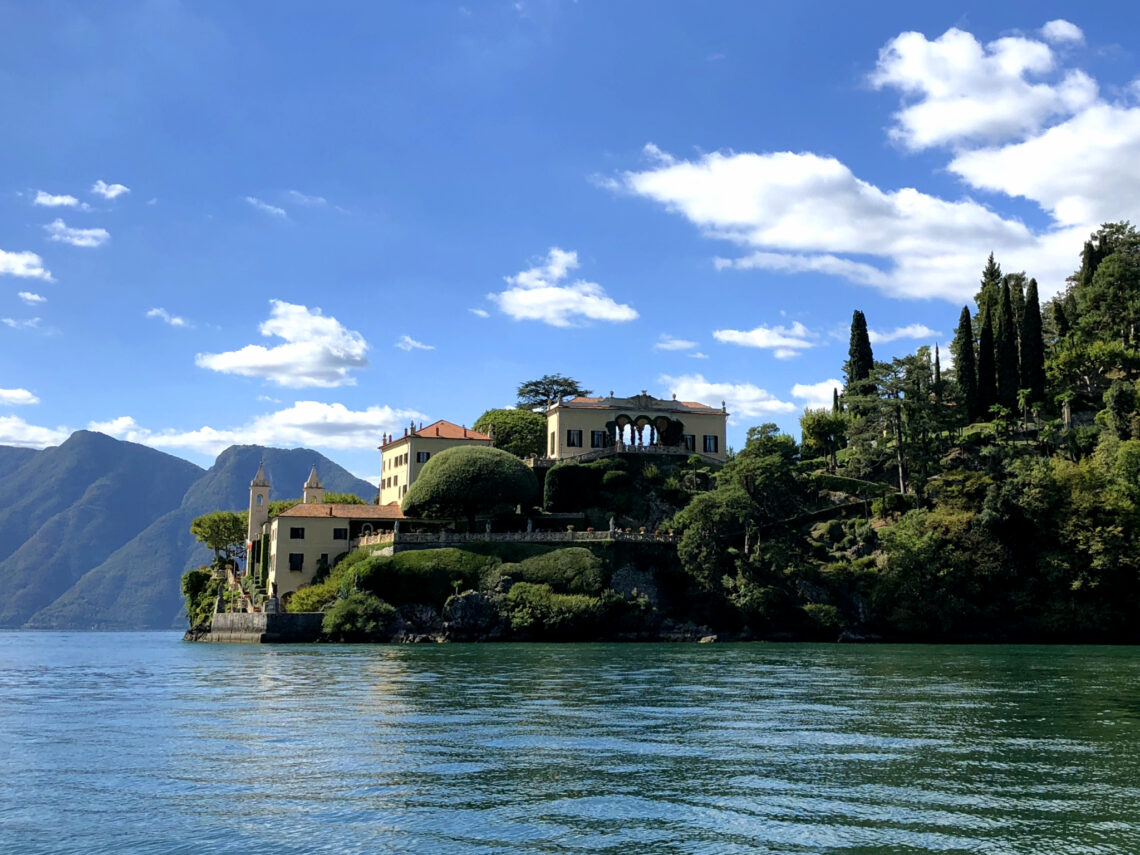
(909, 331)
(49, 200)
(167, 318)
(21, 323)
(743, 400)
(544, 293)
(15, 431)
(668, 342)
(1060, 31)
(26, 265)
(784, 342)
(406, 342)
(31, 298)
(17, 397)
(960, 90)
(305, 423)
(273, 210)
(109, 191)
(817, 396)
(60, 232)
(318, 350)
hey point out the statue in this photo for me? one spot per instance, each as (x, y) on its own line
(611, 525)
(529, 525)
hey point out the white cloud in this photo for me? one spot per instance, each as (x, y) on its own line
(266, 207)
(16, 431)
(698, 355)
(784, 342)
(109, 191)
(48, 200)
(318, 350)
(166, 317)
(1060, 31)
(26, 265)
(817, 396)
(964, 91)
(305, 423)
(668, 342)
(17, 397)
(480, 313)
(30, 298)
(304, 199)
(541, 294)
(60, 232)
(406, 342)
(21, 323)
(743, 400)
(909, 331)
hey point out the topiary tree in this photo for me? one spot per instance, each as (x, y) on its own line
(467, 481)
(520, 432)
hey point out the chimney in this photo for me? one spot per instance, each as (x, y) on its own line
(465, 431)
(437, 430)
(405, 431)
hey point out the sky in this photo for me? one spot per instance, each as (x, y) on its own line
(307, 225)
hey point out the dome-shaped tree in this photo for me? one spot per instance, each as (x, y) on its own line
(470, 480)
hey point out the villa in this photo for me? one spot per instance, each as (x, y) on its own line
(402, 458)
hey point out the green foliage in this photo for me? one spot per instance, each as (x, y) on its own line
(548, 390)
(521, 432)
(426, 576)
(200, 589)
(860, 359)
(224, 532)
(331, 498)
(358, 617)
(965, 369)
(1032, 346)
(824, 432)
(572, 486)
(534, 609)
(987, 377)
(466, 481)
(572, 571)
(1007, 373)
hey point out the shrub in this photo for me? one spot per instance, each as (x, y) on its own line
(358, 617)
(519, 432)
(571, 487)
(200, 589)
(536, 610)
(823, 619)
(426, 576)
(465, 481)
(893, 503)
(574, 570)
(315, 598)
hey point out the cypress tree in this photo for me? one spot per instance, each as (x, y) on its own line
(1033, 346)
(860, 360)
(1006, 372)
(835, 407)
(1017, 285)
(964, 365)
(987, 390)
(988, 297)
(937, 375)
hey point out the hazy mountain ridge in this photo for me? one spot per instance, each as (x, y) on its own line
(95, 533)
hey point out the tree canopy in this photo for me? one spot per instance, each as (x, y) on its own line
(860, 359)
(548, 390)
(464, 482)
(521, 432)
(224, 532)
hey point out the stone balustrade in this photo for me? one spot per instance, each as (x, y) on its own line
(450, 538)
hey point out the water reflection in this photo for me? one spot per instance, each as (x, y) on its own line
(137, 743)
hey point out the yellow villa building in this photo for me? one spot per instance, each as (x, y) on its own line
(595, 427)
(402, 458)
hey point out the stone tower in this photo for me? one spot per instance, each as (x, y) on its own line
(258, 505)
(314, 493)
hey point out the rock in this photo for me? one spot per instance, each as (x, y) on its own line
(469, 615)
(629, 581)
(708, 639)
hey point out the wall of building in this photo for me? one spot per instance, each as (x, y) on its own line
(318, 541)
(562, 419)
(407, 473)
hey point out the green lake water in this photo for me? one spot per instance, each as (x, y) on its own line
(136, 742)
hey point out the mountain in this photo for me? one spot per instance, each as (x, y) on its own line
(67, 508)
(12, 458)
(137, 585)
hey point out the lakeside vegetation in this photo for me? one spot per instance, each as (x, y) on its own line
(994, 499)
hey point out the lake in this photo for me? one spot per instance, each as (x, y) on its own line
(136, 742)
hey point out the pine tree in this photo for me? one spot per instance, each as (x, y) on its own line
(964, 365)
(1032, 346)
(1018, 282)
(835, 406)
(987, 390)
(988, 298)
(860, 359)
(1007, 375)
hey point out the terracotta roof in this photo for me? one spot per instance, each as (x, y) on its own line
(442, 430)
(390, 511)
(584, 403)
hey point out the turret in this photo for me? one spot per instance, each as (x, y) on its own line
(258, 508)
(314, 493)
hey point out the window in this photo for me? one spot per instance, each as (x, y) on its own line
(259, 500)
(689, 440)
(573, 439)
(340, 534)
(711, 444)
(405, 490)
(296, 561)
(422, 456)
(597, 439)
(552, 443)
(296, 534)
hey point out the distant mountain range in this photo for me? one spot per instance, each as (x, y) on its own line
(95, 533)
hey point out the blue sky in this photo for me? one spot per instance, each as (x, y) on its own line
(307, 225)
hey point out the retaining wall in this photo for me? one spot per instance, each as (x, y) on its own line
(265, 628)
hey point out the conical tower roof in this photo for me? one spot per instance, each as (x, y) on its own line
(259, 480)
(314, 481)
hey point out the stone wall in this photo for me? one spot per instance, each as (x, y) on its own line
(265, 628)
